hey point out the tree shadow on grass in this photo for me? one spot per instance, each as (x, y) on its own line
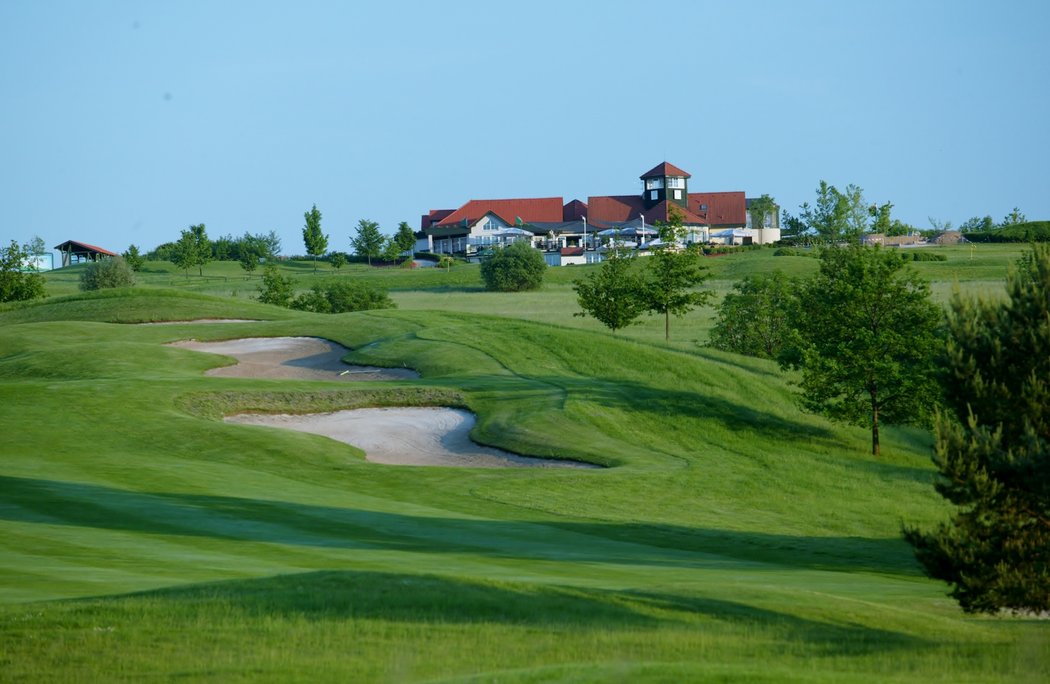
(253, 520)
(433, 600)
(646, 399)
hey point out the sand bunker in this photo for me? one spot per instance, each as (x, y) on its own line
(298, 358)
(407, 436)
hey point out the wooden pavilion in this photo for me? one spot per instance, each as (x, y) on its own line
(74, 252)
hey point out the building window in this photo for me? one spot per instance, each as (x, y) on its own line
(652, 194)
(675, 182)
(678, 194)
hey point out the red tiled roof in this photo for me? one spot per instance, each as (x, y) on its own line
(664, 169)
(573, 211)
(723, 208)
(614, 208)
(619, 208)
(73, 245)
(543, 209)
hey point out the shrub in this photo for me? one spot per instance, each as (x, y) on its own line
(107, 273)
(342, 296)
(923, 256)
(515, 268)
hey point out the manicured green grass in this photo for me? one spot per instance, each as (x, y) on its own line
(733, 538)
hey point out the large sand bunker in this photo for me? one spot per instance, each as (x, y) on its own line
(407, 436)
(297, 358)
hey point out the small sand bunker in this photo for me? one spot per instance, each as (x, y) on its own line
(298, 358)
(407, 436)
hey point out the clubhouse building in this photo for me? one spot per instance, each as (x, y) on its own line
(576, 231)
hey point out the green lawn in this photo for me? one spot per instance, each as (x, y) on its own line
(731, 538)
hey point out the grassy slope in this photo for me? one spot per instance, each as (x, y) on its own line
(734, 538)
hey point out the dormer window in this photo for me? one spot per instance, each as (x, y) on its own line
(676, 182)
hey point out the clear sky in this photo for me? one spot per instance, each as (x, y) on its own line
(125, 122)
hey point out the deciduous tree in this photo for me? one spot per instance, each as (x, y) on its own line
(613, 293)
(16, 282)
(672, 275)
(866, 334)
(828, 218)
(192, 249)
(368, 241)
(755, 319)
(993, 449)
(315, 241)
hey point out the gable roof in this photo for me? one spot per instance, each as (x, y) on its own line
(664, 169)
(434, 216)
(509, 210)
(722, 208)
(574, 210)
(82, 247)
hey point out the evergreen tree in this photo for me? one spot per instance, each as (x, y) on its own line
(134, 259)
(993, 449)
(405, 238)
(315, 241)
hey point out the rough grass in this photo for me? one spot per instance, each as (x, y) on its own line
(735, 538)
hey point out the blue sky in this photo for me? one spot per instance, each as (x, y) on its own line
(126, 122)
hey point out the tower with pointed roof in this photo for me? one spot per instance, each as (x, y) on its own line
(665, 182)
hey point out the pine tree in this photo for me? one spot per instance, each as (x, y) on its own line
(993, 450)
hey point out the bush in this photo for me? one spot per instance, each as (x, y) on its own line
(923, 256)
(107, 273)
(342, 296)
(515, 268)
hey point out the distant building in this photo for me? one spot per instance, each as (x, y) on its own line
(553, 225)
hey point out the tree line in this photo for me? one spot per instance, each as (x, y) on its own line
(194, 249)
(845, 215)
